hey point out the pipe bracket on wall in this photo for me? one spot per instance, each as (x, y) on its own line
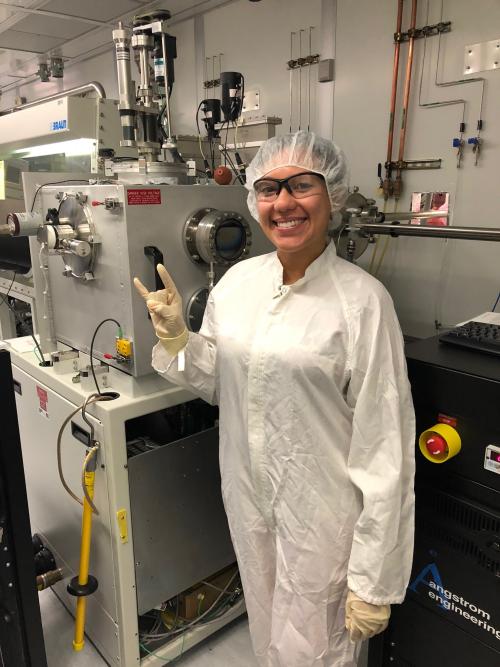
(434, 163)
(426, 31)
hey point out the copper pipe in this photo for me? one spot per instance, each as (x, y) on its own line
(406, 94)
(395, 72)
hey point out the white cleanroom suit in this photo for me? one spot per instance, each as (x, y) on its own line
(316, 447)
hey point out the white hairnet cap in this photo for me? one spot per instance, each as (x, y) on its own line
(301, 149)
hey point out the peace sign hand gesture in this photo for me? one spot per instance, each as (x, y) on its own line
(165, 307)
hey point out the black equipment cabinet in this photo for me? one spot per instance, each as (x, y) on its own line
(21, 636)
(451, 614)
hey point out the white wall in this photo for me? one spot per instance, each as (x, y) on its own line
(428, 278)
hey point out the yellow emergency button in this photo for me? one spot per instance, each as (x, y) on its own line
(440, 443)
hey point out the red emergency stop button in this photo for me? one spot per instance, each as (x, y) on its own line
(436, 445)
(440, 443)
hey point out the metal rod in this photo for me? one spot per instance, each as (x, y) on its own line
(412, 215)
(469, 233)
(144, 69)
(167, 86)
(205, 81)
(79, 90)
(291, 78)
(311, 28)
(300, 78)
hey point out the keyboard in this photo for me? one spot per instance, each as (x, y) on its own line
(474, 335)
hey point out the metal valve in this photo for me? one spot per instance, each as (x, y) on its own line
(475, 142)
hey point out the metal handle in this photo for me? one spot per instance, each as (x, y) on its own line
(156, 256)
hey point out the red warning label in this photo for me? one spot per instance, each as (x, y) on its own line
(146, 196)
(446, 419)
(43, 399)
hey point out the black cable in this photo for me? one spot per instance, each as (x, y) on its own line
(108, 319)
(197, 119)
(225, 145)
(233, 166)
(212, 154)
(6, 295)
(160, 122)
(242, 96)
(79, 180)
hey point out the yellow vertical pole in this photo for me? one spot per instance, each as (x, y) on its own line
(83, 575)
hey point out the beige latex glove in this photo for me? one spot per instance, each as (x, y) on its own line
(364, 620)
(165, 307)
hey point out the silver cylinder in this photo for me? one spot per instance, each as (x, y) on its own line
(122, 38)
(79, 248)
(24, 224)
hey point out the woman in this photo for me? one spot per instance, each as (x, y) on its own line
(303, 353)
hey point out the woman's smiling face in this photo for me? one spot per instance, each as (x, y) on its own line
(296, 225)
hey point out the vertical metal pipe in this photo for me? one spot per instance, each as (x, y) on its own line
(220, 70)
(291, 77)
(395, 76)
(167, 87)
(311, 28)
(406, 97)
(300, 78)
(143, 66)
(406, 94)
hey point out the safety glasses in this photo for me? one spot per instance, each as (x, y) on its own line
(301, 185)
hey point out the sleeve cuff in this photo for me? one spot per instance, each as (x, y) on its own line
(174, 345)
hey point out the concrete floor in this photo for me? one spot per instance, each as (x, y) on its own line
(229, 646)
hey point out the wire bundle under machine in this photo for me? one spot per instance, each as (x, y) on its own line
(224, 602)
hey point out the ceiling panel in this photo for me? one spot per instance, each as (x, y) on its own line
(27, 41)
(92, 41)
(5, 13)
(13, 59)
(55, 27)
(10, 11)
(99, 10)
